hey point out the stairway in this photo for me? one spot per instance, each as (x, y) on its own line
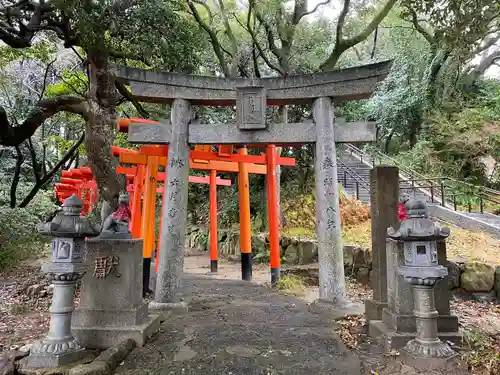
(349, 181)
(354, 175)
(362, 169)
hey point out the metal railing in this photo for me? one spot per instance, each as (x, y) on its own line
(345, 172)
(446, 191)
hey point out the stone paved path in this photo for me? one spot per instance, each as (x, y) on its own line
(240, 328)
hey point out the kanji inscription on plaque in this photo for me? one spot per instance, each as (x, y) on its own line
(103, 266)
(251, 108)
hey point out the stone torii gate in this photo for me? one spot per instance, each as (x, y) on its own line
(251, 98)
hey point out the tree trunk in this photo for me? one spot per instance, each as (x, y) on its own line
(387, 141)
(15, 179)
(99, 128)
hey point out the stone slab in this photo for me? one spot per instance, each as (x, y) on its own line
(384, 192)
(237, 327)
(123, 283)
(373, 309)
(146, 133)
(104, 337)
(350, 132)
(107, 317)
(463, 221)
(293, 133)
(23, 369)
(391, 339)
(343, 84)
(407, 323)
(336, 312)
(53, 361)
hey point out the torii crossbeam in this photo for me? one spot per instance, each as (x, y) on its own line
(251, 96)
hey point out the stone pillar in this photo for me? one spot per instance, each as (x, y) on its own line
(111, 307)
(174, 215)
(330, 253)
(446, 321)
(384, 192)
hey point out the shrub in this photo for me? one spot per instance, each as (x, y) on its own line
(18, 236)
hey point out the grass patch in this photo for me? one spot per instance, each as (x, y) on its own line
(290, 284)
(299, 232)
(483, 354)
(19, 309)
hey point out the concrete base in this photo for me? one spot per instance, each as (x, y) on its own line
(391, 339)
(175, 307)
(427, 363)
(373, 309)
(336, 311)
(106, 336)
(53, 360)
(407, 323)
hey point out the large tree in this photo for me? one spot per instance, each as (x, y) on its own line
(145, 32)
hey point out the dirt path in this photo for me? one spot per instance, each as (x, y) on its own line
(237, 327)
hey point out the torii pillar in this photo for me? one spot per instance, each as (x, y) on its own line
(174, 211)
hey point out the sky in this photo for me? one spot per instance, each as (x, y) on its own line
(330, 12)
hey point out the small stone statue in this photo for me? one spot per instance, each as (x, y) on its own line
(115, 224)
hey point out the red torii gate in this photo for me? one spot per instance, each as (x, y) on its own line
(225, 155)
(79, 181)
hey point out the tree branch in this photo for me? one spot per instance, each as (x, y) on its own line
(52, 172)
(269, 32)
(256, 43)
(35, 165)
(213, 38)
(374, 47)
(341, 45)
(128, 96)
(13, 136)
(419, 28)
(302, 15)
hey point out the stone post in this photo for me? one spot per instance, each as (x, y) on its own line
(446, 321)
(68, 229)
(384, 191)
(111, 307)
(332, 289)
(174, 215)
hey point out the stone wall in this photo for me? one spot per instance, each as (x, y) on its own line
(293, 250)
(467, 280)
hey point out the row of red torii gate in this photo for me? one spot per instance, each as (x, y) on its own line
(144, 182)
(249, 98)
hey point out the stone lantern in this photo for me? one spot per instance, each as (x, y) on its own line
(418, 236)
(68, 230)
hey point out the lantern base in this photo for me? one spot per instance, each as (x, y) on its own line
(390, 339)
(50, 360)
(428, 356)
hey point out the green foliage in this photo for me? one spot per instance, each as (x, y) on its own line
(71, 83)
(156, 33)
(43, 51)
(18, 237)
(63, 145)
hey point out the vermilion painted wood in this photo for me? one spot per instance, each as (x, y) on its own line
(221, 166)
